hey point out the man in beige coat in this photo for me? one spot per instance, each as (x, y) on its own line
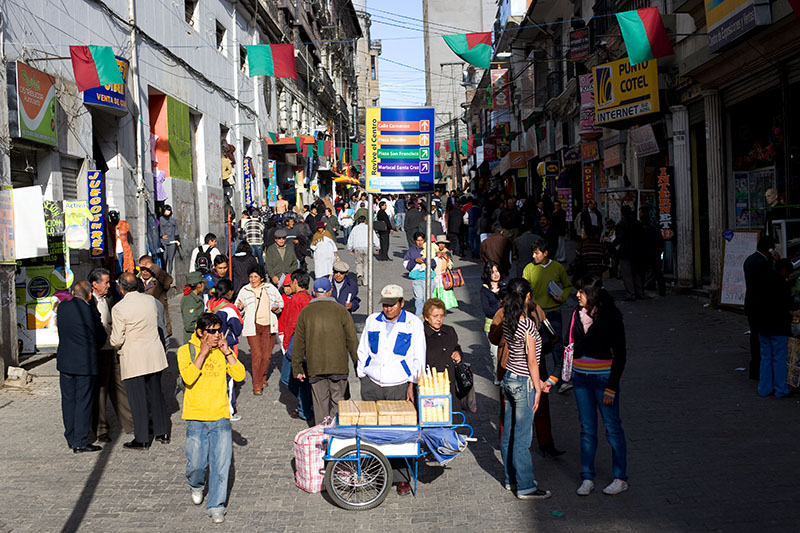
(134, 333)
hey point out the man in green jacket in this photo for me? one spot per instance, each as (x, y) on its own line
(280, 258)
(192, 304)
(325, 337)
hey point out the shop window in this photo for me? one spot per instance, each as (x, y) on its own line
(190, 7)
(220, 31)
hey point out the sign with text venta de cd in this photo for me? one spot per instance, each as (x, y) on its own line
(399, 151)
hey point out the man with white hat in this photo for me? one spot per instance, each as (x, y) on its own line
(344, 288)
(391, 354)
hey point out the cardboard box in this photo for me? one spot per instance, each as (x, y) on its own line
(357, 413)
(396, 413)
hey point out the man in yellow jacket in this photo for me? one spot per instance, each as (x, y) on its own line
(204, 363)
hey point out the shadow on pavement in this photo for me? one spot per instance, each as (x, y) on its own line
(86, 496)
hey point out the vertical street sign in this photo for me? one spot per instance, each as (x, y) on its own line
(399, 155)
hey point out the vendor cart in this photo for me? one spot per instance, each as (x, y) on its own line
(358, 475)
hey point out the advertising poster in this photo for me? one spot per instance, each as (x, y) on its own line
(76, 222)
(623, 91)
(53, 218)
(399, 155)
(586, 126)
(565, 196)
(588, 184)
(501, 89)
(36, 106)
(30, 235)
(728, 20)
(6, 225)
(97, 225)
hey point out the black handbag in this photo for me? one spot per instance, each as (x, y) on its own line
(379, 225)
(464, 379)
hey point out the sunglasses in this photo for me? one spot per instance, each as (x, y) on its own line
(213, 331)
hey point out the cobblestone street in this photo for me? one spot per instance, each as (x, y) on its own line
(704, 451)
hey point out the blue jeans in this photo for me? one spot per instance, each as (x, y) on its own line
(418, 289)
(588, 390)
(258, 253)
(474, 241)
(346, 232)
(554, 317)
(209, 444)
(300, 389)
(772, 377)
(518, 396)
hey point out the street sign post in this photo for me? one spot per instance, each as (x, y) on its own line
(399, 155)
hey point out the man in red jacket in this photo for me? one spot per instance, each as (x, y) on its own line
(291, 310)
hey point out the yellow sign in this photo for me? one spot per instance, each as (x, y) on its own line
(623, 91)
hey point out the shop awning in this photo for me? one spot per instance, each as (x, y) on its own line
(304, 139)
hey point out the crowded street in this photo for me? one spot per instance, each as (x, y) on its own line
(699, 440)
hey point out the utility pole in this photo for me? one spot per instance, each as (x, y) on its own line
(455, 119)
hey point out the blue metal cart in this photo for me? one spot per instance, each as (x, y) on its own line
(358, 475)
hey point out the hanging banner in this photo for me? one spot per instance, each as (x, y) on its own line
(32, 113)
(588, 184)
(501, 90)
(623, 91)
(586, 127)
(76, 222)
(247, 180)
(590, 152)
(6, 225)
(30, 234)
(110, 98)
(644, 141)
(666, 206)
(579, 44)
(97, 225)
(399, 156)
(272, 189)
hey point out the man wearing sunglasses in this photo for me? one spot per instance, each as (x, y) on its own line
(204, 363)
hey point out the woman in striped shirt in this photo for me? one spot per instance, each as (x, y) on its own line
(522, 388)
(598, 337)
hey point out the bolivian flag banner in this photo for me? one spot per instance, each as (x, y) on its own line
(94, 66)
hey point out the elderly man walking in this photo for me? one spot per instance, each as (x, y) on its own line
(80, 337)
(134, 333)
(325, 337)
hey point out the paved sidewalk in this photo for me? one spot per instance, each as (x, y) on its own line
(705, 452)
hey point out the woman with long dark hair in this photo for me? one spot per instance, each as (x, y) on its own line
(522, 388)
(491, 294)
(598, 334)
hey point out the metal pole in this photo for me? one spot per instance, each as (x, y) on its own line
(141, 190)
(370, 248)
(428, 248)
(459, 178)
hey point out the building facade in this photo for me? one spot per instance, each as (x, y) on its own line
(188, 128)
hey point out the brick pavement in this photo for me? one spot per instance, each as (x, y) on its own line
(705, 453)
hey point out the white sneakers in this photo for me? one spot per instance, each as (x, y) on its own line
(615, 487)
(197, 496)
(217, 516)
(586, 488)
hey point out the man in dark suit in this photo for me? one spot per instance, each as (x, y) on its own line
(383, 231)
(757, 300)
(81, 335)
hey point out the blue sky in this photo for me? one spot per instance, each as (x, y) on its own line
(403, 47)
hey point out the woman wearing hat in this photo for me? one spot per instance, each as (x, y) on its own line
(325, 251)
(444, 261)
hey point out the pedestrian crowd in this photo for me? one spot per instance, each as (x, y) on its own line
(115, 333)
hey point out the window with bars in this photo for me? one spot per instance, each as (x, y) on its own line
(70, 169)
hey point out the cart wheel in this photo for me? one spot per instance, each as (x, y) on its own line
(355, 493)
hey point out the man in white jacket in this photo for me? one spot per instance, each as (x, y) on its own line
(391, 354)
(358, 245)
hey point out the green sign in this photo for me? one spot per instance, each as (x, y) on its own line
(36, 106)
(398, 153)
(179, 140)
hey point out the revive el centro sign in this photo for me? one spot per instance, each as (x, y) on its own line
(623, 91)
